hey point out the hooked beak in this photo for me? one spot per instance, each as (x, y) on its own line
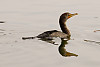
(71, 15)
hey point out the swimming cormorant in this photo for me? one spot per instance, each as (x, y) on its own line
(54, 33)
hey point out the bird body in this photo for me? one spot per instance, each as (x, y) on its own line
(51, 34)
(54, 33)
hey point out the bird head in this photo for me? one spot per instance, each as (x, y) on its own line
(66, 16)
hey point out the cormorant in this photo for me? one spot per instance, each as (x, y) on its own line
(54, 33)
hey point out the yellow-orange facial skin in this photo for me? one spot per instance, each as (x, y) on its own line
(70, 15)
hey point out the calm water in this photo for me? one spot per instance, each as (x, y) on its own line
(30, 18)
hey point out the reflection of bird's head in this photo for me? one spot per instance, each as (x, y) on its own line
(66, 16)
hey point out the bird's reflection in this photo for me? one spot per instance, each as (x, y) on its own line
(63, 51)
(61, 48)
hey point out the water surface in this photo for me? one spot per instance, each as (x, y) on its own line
(31, 17)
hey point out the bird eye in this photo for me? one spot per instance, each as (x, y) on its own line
(64, 17)
(69, 14)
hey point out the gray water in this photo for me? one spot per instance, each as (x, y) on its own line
(31, 17)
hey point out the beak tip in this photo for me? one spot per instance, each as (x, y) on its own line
(76, 13)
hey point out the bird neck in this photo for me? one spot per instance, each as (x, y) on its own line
(64, 27)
